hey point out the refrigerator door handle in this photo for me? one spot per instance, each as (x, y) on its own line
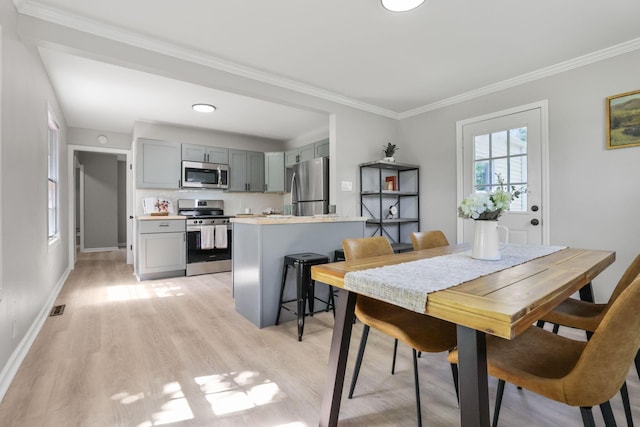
(293, 189)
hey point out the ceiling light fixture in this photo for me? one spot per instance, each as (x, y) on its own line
(203, 108)
(401, 5)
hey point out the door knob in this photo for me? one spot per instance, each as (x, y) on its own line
(535, 208)
(534, 221)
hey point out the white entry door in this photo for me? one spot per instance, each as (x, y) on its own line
(512, 144)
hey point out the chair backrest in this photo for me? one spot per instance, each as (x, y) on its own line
(629, 276)
(428, 239)
(366, 247)
(607, 357)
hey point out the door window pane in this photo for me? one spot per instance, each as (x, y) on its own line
(499, 144)
(483, 175)
(518, 141)
(518, 169)
(501, 167)
(504, 153)
(482, 150)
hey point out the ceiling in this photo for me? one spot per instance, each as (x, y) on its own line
(353, 52)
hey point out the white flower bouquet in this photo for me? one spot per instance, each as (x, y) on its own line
(488, 206)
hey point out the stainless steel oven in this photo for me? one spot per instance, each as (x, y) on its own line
(209, 236)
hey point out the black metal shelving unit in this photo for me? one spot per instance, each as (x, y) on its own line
(376, 201)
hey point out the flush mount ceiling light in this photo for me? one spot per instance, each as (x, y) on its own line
(203, 108)
(401, 5)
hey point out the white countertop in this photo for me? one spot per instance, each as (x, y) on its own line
(290, 219)
(159, 217)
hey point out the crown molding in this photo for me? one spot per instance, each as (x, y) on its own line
(552, 70)
(46, 13)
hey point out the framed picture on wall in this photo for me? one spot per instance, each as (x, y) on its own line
(623, 120)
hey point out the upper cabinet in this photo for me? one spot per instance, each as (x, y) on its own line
(307, 152)
(321, 148)
(157, 164)
(246, 169)
(204, 153)
(274, 172)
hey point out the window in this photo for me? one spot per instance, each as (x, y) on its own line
(504, 153)
(52, 182)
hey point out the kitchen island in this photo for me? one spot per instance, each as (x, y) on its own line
(259, 246)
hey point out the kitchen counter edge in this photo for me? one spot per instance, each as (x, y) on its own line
(266, 220)
(159, 217)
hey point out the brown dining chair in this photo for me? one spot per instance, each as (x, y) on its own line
(422, 333)
(576, 373)
(428, 239)
(587, 315)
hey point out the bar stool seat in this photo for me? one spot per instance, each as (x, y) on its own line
(305, 287)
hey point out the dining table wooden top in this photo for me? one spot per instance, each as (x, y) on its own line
(504, 303)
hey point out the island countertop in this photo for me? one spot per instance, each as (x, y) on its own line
(290, 219)
(159, 217)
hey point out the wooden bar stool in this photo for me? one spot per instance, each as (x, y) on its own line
(305, 287)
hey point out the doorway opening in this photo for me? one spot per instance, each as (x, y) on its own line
(100, 208)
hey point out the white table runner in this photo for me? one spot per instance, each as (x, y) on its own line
(408, 284)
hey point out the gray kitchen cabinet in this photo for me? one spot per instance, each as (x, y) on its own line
(274, 172)
(307, 152)
(157, 164)
(204, 153)
(321, 148)
(300, 154)
(161, 249)
(291, 157)
(246, 170)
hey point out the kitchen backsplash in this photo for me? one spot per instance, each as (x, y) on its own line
(234, 203)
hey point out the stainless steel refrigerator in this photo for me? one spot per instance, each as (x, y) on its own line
(310, 187)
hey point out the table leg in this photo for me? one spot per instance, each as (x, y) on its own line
(334, 380)
(586, 292)
(472, 366)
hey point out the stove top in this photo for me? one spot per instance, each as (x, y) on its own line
(203, 211)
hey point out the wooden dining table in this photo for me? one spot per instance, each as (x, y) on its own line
(504, 304)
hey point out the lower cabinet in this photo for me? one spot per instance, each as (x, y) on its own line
(161, 249)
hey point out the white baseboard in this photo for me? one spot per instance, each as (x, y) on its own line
(115, 248)
(13, 364)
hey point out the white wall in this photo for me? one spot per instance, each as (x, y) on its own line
(33, 269)
(593, 191)
(89, 137)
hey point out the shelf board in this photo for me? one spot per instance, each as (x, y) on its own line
(381, 164)
(391, 220)
(389, 193)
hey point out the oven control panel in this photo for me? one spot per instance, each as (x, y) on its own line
(208, 221)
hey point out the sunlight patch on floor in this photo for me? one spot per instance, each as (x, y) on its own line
(235, 392)
(175, 409)
(143, 291)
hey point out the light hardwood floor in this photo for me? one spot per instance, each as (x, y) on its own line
(174, 352)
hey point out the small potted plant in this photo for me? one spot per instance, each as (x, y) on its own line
(389, 151)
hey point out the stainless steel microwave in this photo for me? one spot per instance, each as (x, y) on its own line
(204, 175)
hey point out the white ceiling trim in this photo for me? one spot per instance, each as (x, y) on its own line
(571, 64)
(46, 13)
